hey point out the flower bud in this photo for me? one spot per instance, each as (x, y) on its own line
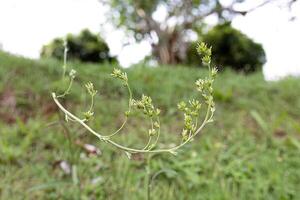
(181, 106)
(72, 73)
(88, 115)
(184, 134)
(156, 125)
(214, 72)
(127, 113)
(152, 132)
(90, 88)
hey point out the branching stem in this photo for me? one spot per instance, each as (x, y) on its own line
(121, 147)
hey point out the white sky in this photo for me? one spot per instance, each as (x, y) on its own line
(25, 25)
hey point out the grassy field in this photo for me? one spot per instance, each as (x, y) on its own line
(252, 151)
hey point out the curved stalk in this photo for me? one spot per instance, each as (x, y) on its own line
(148, 143)
(67, 90)
(158, 133)
(129, 110)
(92, 104)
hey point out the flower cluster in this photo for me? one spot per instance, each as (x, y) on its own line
(88, 115)
(192, 108)
(191, 113)
(145, 104)
(205, 86)
(92, 92)
(117, 73)
(205, 52)
(90, 88)
(72, 73)
(147, 107)
(154, 129)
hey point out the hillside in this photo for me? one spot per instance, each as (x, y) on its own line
(250, 152)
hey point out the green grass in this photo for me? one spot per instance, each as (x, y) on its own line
(252, 151)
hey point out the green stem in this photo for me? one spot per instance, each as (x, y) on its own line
(65, 61)
(67, 90)
(72, 157)
(148, 143)
(158, 133)
(129, 109)
(148, 177)
(92, 103)
(150, 137)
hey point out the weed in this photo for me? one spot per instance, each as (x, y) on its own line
(191, 111)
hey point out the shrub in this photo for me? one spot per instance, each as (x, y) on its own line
(86, 47)
(231, 49)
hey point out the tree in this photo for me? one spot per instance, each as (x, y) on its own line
(86, 47)
(231, 48)
(168, 35)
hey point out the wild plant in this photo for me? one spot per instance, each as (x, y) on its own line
(192, 125)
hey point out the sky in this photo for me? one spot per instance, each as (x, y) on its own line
(26, 25)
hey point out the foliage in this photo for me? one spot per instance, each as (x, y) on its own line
(167, 34)
(235, 162)
(85, 47)
(231, 49)
(168, 23)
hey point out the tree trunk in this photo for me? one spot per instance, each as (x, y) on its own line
(170, 50)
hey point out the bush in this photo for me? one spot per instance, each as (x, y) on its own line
(85, 47)
(231, 49)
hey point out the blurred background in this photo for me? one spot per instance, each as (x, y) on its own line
(251, 151)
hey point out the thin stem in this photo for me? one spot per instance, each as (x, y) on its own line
(65, 59)
(158, 173)
(158, 132)
(148, 175)
(92, 103)
(72, 156)
(76, 181)
(67, 90)
(130, 96)
(129, 109)
(205, 119)
(64, 71)
(76, 118)
(148, 143)
(119, 129)
(69, 139)
(150, 137)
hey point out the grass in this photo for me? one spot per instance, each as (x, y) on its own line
(252, 151)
